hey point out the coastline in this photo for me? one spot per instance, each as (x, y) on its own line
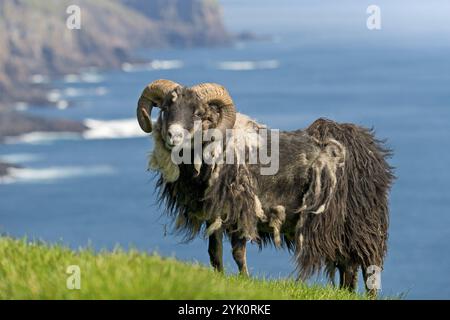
(111, 34)
(13, 123)
(4, 169)
(32, 85)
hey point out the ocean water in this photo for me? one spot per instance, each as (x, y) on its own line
(94, 189)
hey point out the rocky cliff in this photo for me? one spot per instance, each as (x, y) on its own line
(185, 22)
(34, 38)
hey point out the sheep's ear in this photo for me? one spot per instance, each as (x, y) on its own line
(324, 175)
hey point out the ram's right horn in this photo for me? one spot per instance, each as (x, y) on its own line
(152, 96)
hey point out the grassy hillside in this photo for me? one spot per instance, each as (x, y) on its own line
(38, 271)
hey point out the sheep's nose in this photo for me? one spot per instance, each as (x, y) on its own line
(175, 134)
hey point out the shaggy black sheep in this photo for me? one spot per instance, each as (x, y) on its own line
(327, 200)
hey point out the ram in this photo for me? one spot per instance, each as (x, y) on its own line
(327, 202)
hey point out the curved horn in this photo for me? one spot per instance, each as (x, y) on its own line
(152, 95)
(213, 93)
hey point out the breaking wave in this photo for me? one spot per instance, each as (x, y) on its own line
(96, 130)
(29, 175)
(42, 137)
(20, 158)
(61, 97)
(72, 92)
(112, 129)
(248, 65)
(39, 79)
(154, 65)
(86, 77)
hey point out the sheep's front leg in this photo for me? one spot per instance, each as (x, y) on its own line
(215, 250)
(238, 245)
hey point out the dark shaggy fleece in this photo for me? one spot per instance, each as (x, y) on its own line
(352, 232)
(328, 202)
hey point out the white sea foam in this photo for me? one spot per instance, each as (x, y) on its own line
(20, 158)
(72, 92)
(54, 95)
(32, 175)
(38, 137)
(62, 104)
(112, 129)
(21, 106)
(96, 130)
(72, 78)
(248, 65)
(166, 64)
(91, 77)
(39, 79)
(154, 65)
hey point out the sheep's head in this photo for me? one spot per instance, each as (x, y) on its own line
(182, 107)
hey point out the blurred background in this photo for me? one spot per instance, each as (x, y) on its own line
(73, 160)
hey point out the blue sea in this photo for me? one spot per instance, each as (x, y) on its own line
(94, 189)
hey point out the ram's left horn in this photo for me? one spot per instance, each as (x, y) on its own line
(213, 93)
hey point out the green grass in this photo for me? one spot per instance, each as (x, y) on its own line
(38, 271)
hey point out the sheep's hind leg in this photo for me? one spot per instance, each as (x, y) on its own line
(239, 246)
(215, 250)
(330, 270)
(371, 292)
(348, 277)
